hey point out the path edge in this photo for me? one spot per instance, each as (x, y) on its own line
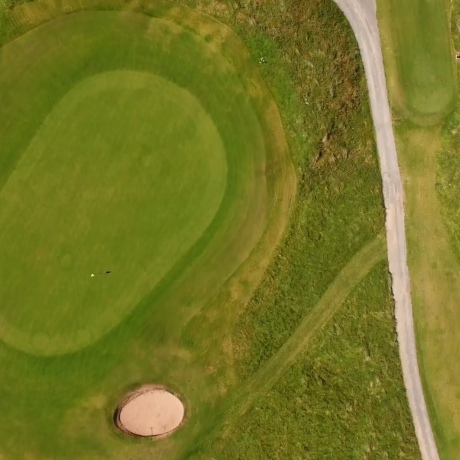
(362, 16)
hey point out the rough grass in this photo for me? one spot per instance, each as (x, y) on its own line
(341, 398)
(339, 209)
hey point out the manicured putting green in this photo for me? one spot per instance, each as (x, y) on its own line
(130, 200)
(121, 165)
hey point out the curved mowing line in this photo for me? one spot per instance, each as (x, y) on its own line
(321, 314)
(362, 17)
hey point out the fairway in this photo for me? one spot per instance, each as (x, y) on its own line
(428, 158)
(419, 58)
(143, 161)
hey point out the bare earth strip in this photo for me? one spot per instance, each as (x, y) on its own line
(356, 269)
(362, 16)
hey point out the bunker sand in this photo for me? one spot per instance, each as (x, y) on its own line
(150, 411)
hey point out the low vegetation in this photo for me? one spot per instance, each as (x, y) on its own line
(428, 156)
(344, 396)
(418, 63)
(338, 210)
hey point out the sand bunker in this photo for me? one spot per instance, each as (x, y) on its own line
(150, 411)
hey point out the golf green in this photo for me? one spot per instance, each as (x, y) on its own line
(132, 199)
(122, 173)
(144, 176)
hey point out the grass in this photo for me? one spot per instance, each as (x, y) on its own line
(419, 64)
(432, 254)
(309, 328)
(341, 398)
(78, 208)
(144, 249)
(213, 346)
(331, 142)
(117, 158)
(434, 275)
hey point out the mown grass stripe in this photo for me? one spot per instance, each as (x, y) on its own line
(321, 314)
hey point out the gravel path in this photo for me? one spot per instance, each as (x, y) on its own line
(362, 16)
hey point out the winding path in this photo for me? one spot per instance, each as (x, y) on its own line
(362, 17)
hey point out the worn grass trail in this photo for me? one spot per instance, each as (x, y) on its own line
(320, 315)
(348, 278)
